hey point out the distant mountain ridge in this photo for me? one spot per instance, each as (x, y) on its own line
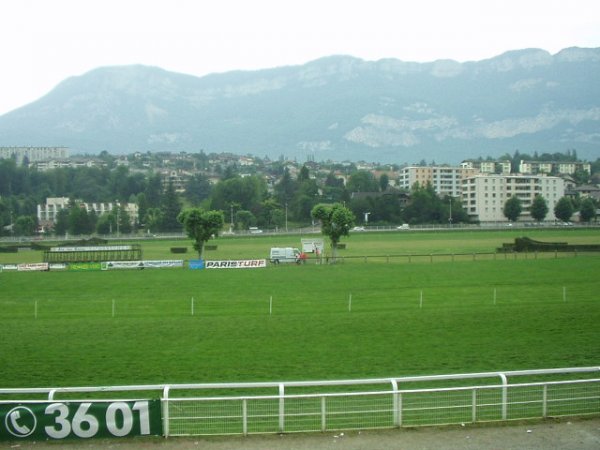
(338, 107)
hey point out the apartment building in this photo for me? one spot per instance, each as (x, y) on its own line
(445, 180)
(564, 168)
(497, 167)
(33, 154)
(484, 195)
(46, 213)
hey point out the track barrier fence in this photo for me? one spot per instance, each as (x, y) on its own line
(300, 406)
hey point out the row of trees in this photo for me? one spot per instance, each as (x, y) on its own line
(563, 210)
(245, 201)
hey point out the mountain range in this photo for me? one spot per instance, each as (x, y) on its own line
(337, 108)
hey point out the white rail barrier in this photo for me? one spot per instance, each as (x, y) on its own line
(309, 406)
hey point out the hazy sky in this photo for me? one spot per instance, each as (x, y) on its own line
(42, 42)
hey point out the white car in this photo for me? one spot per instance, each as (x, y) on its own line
(404, 226)
(358, 229)
(255, 230)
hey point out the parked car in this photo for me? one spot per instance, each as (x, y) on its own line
(255, 230)
(358, 229)
(404, 226)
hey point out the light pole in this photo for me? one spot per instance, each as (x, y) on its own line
(286, 220)
(450, 215)
(118, 216)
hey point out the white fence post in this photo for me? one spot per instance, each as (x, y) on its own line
(165, 411)
(504, 395)
(281, 407)
(396, 397)
(474, 406)
(545, 401)
(245, 417)
(323, 414)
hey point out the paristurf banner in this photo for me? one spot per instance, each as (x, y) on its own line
(79, 419)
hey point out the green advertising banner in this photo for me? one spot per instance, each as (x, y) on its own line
(79, 419)
(84, 266)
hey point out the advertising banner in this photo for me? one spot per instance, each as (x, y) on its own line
(237, 264)
(33, 267)
(84, 266)
(196, 264)
(98, 248)
(9, 267)
(163, 263)
(150, 264)
(123, 265)
(79, 419)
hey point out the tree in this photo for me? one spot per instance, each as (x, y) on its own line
(61, 224)
(244, 219)
(564, 209)
(588, 210)
(362, 181)
(336, 221)
(539, 208)
(153, 219)
(384, 181)
(25, 226)
(170, 208)
(512, 208)
(197, 189)
(201, 225)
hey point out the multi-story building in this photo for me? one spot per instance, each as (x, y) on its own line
(33, 154)
(563, 168)
(498, 167)
(47, 213)
(445, 180)
(484, 196)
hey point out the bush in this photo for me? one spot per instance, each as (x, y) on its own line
(179, 249)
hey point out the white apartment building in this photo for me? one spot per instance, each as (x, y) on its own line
(502, 167)
(484, 196)
(445, 180)
(565, 168)
(46, 213)
(34, 154)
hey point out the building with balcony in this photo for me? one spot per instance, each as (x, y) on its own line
(484, 196)
(445, 180)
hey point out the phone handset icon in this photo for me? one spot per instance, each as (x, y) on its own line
(14, 420)
(20, 421)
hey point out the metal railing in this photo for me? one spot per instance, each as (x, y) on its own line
(312, 406)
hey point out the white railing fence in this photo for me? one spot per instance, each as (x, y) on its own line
(313, 406)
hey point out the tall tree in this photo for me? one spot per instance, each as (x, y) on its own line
(563, 210)
(201, 225)
(539, 208)
(198, 188)
(336, 221)
(285, 189)
(170, 208)
(512, 208)
(384, 182)
(587, 212)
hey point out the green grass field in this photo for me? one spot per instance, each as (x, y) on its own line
(327, 322)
